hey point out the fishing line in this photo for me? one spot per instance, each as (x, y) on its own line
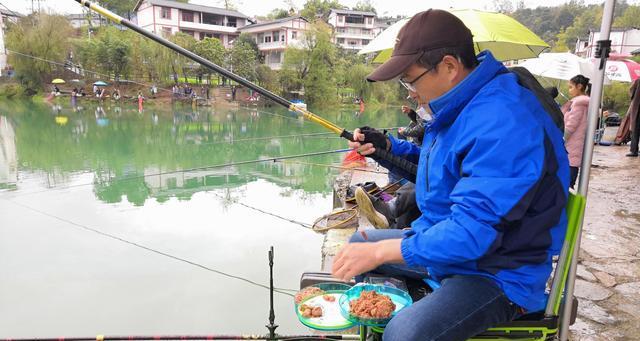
(147, 248)
(336, 167)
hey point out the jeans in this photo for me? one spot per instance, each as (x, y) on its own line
(573, 171)
(462, 307)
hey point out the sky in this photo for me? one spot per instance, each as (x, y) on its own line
(262, 7)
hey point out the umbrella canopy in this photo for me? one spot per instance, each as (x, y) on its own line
(77, 81)
(58, 81)
(622, 70)
(563, 65)
(100, 83)
(505, 37)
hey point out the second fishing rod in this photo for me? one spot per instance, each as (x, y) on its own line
(401, 163)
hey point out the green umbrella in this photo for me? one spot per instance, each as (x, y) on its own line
(505, 37)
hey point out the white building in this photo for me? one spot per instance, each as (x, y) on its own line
(5, 17)
(353, 29)
(623, 42)
(169, 17)
(273, 37)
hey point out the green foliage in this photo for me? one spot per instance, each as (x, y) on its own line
(267, 78)
(242, 60)
(44, 36)
(210, 49)
(319, 82)
(364, 6)
(246, 38)
(122, 7)
(630, 18)
(616, 97)
(319, 8)
(277, 13)
(11, 90)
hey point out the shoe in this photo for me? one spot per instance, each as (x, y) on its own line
(632, 155)
(370, 186)
(372, 209)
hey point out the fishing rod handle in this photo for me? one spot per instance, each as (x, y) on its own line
(382, 154)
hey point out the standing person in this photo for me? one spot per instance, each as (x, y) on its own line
(575, 122)
(492, 186)
(140, 101)
(634, 118)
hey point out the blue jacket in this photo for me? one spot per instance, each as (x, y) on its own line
(492, 186)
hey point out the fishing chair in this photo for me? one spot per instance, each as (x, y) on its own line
(538, 326)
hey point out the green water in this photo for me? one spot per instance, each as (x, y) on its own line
(108, 216)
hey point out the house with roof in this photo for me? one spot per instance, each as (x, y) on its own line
(353, 29)
(273, 38)
(623, 42)
(169, 17)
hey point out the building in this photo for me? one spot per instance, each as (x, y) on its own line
(623, 42)
(82, 19)
(6, 16)
(273, 37)
(169, 17)
(353, 29)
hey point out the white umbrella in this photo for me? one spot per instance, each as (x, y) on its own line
(562, 65)
(385, 39)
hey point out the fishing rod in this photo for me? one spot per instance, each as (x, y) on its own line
(401, 163)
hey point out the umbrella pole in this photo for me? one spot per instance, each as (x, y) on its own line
(583, 185)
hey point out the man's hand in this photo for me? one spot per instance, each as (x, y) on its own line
(367, 139)
(406, 109)
(358, 258)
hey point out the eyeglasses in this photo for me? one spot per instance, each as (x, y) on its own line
(409, 84)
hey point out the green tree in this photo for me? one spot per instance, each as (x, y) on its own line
(277, 13)
(319, 83)
(44, 36)
(212, 50)
(579, 28)
(246, 38)
(629, 18)
(122, 7)
(178, 62)
(319, 8)
(364, 6)
(242, 60)
(267, 78)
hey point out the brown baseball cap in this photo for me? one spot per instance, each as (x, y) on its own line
(425, 31)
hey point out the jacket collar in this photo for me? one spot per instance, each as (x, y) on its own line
(446, 108)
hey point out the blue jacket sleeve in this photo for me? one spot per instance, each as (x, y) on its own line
(404, 149)
(501, 161)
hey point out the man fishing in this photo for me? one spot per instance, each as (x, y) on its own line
(491, 187)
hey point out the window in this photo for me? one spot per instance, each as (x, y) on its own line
(355, 20)
(231, 22)
(187, 16)
(276, 35)
(294, 35)
(369, 20)
(340, 18)
(341, 30)
(267, 39)
(165, 13)
(340, 40)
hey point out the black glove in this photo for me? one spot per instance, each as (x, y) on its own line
(413, 116)
(376, 137)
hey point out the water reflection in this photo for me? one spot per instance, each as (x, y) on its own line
(148, 178)
(8, 155)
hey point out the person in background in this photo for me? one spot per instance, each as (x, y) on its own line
(634, 121)
(575, 122)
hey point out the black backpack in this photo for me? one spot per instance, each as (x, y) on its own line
(527, 80)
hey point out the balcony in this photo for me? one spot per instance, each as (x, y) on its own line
(206, 27)
(272, 45)
(354, 35)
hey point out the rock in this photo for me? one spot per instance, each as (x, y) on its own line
(626, 269)
(631, 309)
(582, 328)
(606, 279)
(585, 274)
(594, 312)
(629, 289)
(591, 291)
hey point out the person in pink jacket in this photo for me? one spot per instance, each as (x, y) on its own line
(575, 122)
